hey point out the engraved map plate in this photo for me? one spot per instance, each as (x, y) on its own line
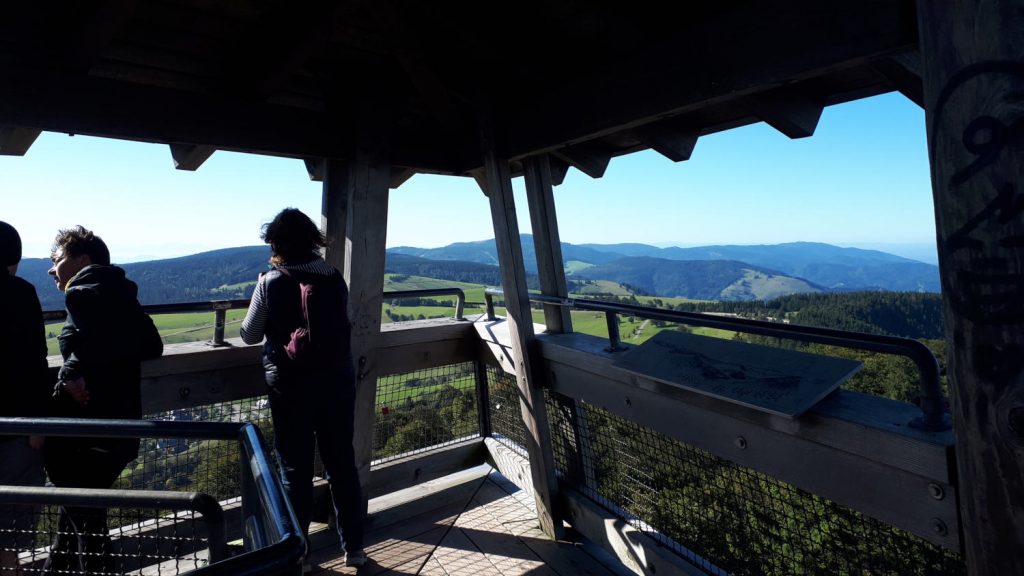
(782, 382)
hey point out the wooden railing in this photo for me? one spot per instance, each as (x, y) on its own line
(853, 449)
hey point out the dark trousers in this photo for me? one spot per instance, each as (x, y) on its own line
(82, 544)
(322, 409)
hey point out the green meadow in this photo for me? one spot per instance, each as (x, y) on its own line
(198, 326)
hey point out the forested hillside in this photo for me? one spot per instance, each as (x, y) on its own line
(703, 280)
(458, 271)
(223, 274)
(904, 314)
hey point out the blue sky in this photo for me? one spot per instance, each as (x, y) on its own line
(861, 180)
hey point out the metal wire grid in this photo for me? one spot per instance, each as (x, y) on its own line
(723, 517)
(157, 541)
(206, 466)
(506, 415)
(425, 409)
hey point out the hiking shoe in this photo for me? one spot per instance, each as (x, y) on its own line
(355, 558)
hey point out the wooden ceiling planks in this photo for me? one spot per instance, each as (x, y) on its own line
(583, 80)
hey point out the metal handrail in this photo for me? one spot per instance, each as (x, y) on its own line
(213, 514)
(932, 403)
(220, 308)
(460, 300)
(273, 520)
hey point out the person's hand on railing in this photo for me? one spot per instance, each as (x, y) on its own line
(77, 390)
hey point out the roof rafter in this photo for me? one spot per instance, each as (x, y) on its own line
(904, 72)
(778, 46)
(281, 41)
(15, 141)
(189, 156)
(793, 114)
(585, 158)
(669, 138)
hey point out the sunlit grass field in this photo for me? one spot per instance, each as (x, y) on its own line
(198, 326)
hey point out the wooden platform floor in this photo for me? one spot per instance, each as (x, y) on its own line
(478, 525)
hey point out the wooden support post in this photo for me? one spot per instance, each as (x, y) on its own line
(498, 188)
(334, 173)
(546, 241)
(973, 86)
(365, 233)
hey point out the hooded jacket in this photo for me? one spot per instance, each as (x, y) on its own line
(105, 338)
(24, 376)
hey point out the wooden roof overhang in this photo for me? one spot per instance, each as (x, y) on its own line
(584, 81)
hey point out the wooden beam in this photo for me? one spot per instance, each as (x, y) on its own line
(419, 468)
(520, 325)
(334, 205)
(636, 550)
(190, 157)
(400, 176)
(15, 141)
(904, 72)
(95, 32)
(585, 158)
(770, 45)
(668, 138)
(559, 168)
(285, 37)
(46, 100)
(547, 245)
(791, 113)
(368, 181)
(973, 87)
(315, 168)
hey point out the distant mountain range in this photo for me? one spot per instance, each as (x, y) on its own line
(708, 272)
(653, 269)
(216, 275)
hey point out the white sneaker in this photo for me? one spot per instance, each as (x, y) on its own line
(355, 558)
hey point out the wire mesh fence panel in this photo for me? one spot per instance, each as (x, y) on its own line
(205, 466)
(506, 415)
(425, 409)
(96, 541)
(725, 518)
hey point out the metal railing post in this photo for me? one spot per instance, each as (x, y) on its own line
(483, 395)
(612, 320)
(489, 298)
(220, 316)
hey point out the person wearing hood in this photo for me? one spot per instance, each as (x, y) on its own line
(25, 389)
(103, 342)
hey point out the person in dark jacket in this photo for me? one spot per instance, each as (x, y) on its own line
(311, 396)
(26, 392)
(104, 340)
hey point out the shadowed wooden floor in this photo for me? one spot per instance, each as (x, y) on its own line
(478, 524)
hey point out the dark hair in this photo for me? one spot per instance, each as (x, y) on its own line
(293, 237)
(10, 245)
(78, 241)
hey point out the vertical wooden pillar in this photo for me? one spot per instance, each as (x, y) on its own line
(498, 187)
(356, 203)
(546, 240)
(973, 69)
(334, 210)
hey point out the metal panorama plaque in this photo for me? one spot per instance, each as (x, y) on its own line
(774, 380)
